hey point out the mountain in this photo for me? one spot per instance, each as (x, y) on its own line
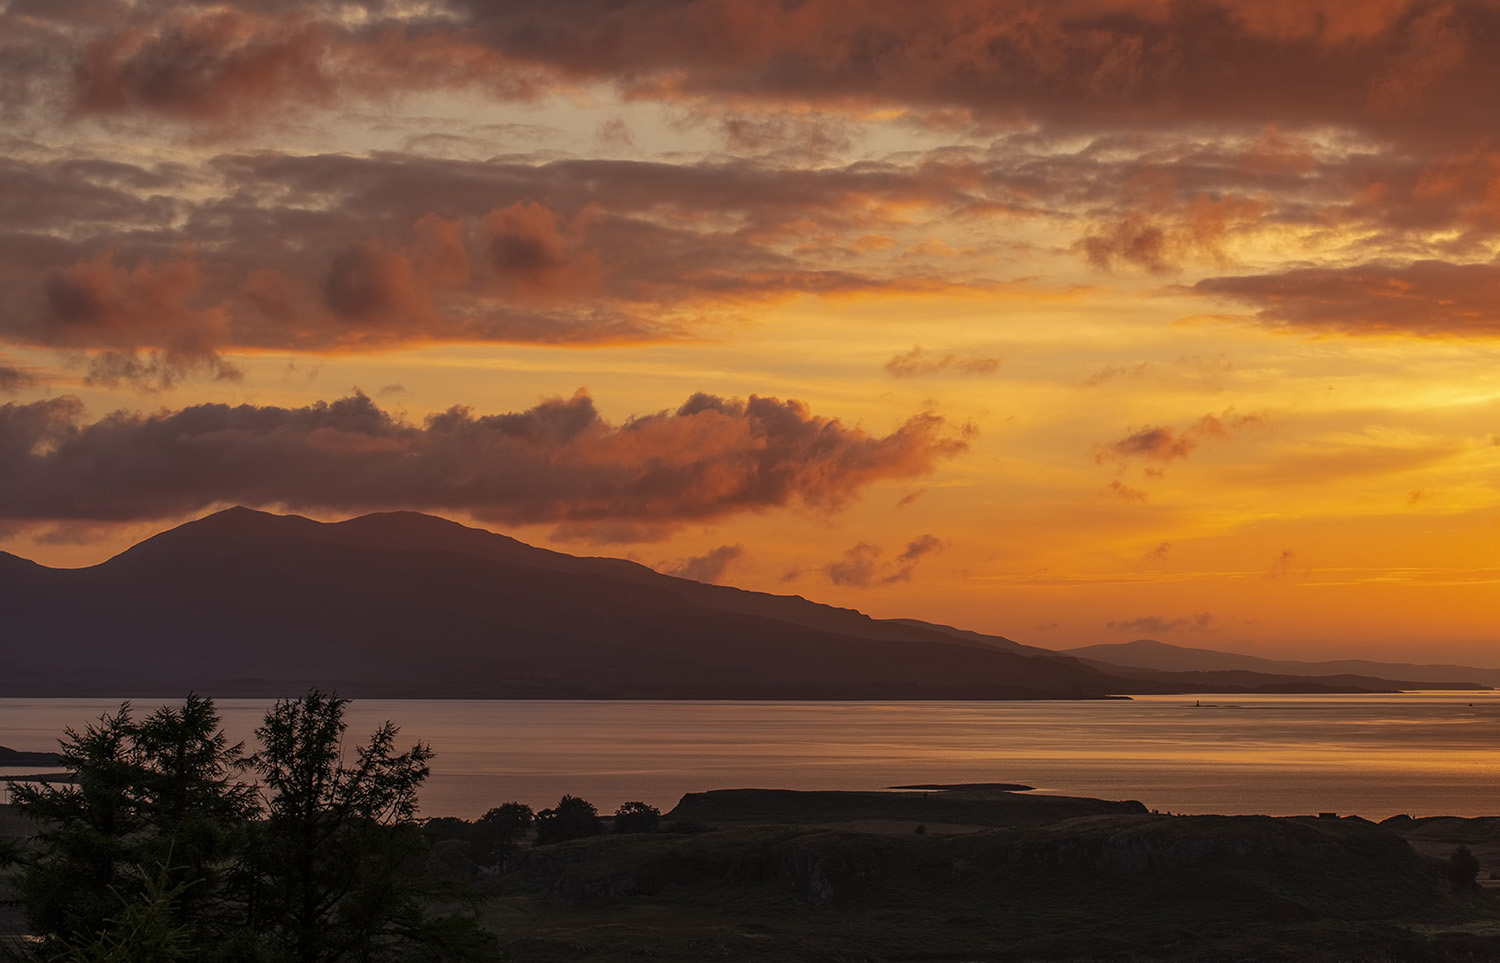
(245, 603)
(1164, 657)
(402, 604)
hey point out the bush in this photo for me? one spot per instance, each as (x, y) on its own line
(637, 817)
(500, 831)
(573, 818)
(1463, 868)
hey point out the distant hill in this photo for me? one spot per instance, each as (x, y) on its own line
(245, 603)
(404, 604)
(1162, 656)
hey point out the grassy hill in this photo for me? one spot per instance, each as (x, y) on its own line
(780, 876)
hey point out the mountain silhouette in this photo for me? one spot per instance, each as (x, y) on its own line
(1163, 656)
(403, 604)
(246, 603)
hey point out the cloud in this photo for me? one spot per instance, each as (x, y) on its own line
(1424, 297)
(1124, 492)
(1158, 554)
(1289, 565)
(919, 547)
(1159, 444)
(1164, 443)
(1083, 63)
(558, 462)
(918, 362)
(706, 568)
(178, 267)
(15, 377)
(1156, 625)
(863, 566)
(1174, 230)
(1149, 136)
(225, 65)
(1205, 372)
(1117, 372)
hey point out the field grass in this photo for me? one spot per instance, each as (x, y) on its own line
(1124, 885)
(762, 875)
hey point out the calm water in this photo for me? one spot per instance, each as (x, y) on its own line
(1420, 753)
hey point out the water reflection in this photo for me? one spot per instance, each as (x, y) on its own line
(1419, 753)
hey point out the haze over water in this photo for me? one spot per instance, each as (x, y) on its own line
(1425, 753)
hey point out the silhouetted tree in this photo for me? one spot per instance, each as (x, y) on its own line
(500, 831)
(1463, 868)
(154, 804)
(637, 817)
(330, 867)
(160, 852)
(573, 818)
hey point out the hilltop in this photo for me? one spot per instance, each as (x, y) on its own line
(246, 603)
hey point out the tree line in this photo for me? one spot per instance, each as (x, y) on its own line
(171, 844)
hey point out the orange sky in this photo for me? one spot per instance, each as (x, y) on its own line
(1075, 321)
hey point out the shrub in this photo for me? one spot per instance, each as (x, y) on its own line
(637, 817)
(1463, 868)
(573, 818)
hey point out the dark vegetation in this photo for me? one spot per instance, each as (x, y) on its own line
(175, 846)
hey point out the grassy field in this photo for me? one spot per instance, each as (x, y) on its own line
(1033, 880)
(943, 877)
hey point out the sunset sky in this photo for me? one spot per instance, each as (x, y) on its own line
(1074, 321)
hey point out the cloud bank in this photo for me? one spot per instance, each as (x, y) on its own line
(559, 462)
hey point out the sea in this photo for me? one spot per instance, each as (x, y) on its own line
(1420, 753)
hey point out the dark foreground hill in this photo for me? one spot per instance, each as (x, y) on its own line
(244, 603)
(247, 603)
(774, 875)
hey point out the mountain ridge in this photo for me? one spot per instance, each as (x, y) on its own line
(249, 603)
(1164, 656)
(402, 603)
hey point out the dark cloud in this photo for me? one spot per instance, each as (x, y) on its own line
(1155, 135)
(917, 362)
(14, 377)
(558, 462)
(919, 547)
(1425, 297)
(706, 568)
(1156, 625)
(863, 564)
(349, 253)
(1160, 444)
(857, 567)
(1408, 67)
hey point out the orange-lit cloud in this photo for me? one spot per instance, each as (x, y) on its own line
(378, 252)
(557, 462)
